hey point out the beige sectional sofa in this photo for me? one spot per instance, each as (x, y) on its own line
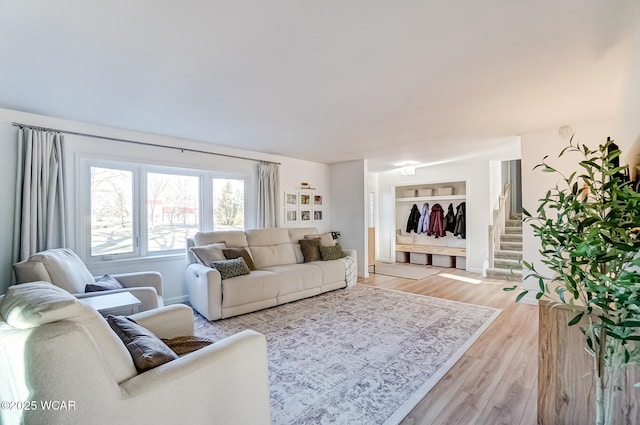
(281, 275)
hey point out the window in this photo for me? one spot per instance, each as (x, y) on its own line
(228, 201)
(111, 211)
(142, 210)
(172, 210)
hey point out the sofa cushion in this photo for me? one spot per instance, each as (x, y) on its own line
(105, 283)
(64, 268)
(231, 253)
(297, 233)
(231, 268)
(146, 349)
(331, 252)
(310, 249)
(205, 254)
(325, 239)
(332, 271)
(232, 238)
(297, 277)
(270, 247)
(260, 285)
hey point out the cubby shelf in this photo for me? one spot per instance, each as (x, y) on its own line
(433, 198)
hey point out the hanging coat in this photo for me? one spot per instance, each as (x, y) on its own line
(436, 222)
(423, 224)
(450, 220)
(461, 225)
(414, 219)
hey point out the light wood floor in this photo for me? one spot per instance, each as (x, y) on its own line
(495, 382)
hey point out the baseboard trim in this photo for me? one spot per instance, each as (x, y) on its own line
(176, 300)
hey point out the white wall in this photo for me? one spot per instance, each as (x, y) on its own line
(349, 207)
(292, 172)
(535, 183)
(627, 118)
(478, 207)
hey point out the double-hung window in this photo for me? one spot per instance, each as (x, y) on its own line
(137, 210)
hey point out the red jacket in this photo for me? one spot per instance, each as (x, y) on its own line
(436, 222)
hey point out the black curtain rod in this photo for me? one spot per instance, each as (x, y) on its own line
(135, 142)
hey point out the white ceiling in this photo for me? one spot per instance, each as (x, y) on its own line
(327, 81)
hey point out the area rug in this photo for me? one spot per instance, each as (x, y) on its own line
(408, 271)
(360, 355)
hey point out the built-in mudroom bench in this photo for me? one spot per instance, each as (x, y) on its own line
(435, 255)
(422, 244)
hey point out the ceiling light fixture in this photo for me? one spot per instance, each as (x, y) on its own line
(408, 170)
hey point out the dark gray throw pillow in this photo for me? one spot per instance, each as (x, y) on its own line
(105, 283)
(310, 249)
(331, 252)
(146, 349)
(231, 253)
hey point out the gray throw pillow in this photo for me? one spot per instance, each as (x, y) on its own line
(205, 254)
(146, 349)
(231, 268)
(105, 283)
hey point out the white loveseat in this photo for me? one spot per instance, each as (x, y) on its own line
(60, 363)
(281, 275)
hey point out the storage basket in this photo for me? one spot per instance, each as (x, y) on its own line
(419, 258)
(443, 260)
(425, 192)
(444, 191)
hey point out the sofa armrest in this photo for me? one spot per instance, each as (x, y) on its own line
(167, 322)
(350, 252)
(141, 279)
(204, 286)
(235, 372)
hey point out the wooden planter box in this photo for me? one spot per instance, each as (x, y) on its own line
(566, 390)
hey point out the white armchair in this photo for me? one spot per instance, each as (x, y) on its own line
(65, 269)
(56, 349)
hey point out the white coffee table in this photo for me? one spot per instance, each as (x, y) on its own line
(118, 304)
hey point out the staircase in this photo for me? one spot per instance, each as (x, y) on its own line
(508, 255)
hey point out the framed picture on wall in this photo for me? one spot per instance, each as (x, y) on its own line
(317, 199)
(305, 199)
(317, 215)
(306, 215)
(291, 199)
(290, 216)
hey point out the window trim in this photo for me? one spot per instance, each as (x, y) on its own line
(139, 209)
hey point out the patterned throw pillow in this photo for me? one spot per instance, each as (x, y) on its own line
(231, 268)
(231, 253)
(182, 345)
(331, 252)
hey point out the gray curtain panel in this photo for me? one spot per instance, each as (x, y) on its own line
(39, 219)
(268, 189)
